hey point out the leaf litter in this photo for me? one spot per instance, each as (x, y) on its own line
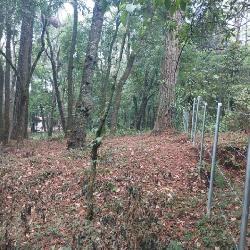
(148, 195)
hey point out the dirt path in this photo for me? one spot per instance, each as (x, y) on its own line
(148, 195)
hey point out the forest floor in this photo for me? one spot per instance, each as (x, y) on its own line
(149, 195)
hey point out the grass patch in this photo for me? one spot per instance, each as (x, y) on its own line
(213, 232)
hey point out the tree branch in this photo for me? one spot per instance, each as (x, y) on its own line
(10, 63)
(45, 23)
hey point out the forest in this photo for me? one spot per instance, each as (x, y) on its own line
(124, 124)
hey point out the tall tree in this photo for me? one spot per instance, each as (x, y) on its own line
(55, 68)
(1, 72)
(118, 92)
(7, 77)
(84, 104)
(145, 96)
(23, 69)
(166, 107)
(71, 66)
(106, 79)
(51, 115)
(119, 84)
(1, 99)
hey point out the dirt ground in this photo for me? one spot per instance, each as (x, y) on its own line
(149, 195)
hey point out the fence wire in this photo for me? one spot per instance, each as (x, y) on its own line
(203, 148)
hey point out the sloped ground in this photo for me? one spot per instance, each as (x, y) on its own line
(149, 195)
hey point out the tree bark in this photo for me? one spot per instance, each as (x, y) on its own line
(7, 81)
(24, 67)
(1, 76)
(54, 67)
(166, 107)
(13, 83)
(1, 100)
(118, 92)
(84, 104)
(71, 67)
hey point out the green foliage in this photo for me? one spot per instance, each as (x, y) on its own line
(41, 93)
(172, 5)
(211, 65)
(213, 232)
(217, 77)
(174, 245)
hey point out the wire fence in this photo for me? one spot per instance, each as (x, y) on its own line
(197, 134)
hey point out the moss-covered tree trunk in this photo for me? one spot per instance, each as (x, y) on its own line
(84, 104)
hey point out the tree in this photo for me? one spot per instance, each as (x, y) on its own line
(106, 77)
(51, 115)
(84, 104)
(23, 70)
(55, 67)
(7, 76)
(1, 74)
(71, 67)
(166, 107)
(118, 92)
(145, 96)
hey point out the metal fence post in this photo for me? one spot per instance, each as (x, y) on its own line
(185, 120)
(245, 212)
(192, 129)
(210, 191)
(202, 134)
(196, 119)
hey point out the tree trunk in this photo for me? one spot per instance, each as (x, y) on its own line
(24, 67)
(84, 104)
(55, 82)
(141, 113)
(118, 92)
(43, 118)
(166, 107)
(94, 157)
(107, 74)
(1, 76)
(7, 81)
(51, 117)
(148, 83)
(1, 100)
(13, 84)
(136, 114)
(71, 67)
